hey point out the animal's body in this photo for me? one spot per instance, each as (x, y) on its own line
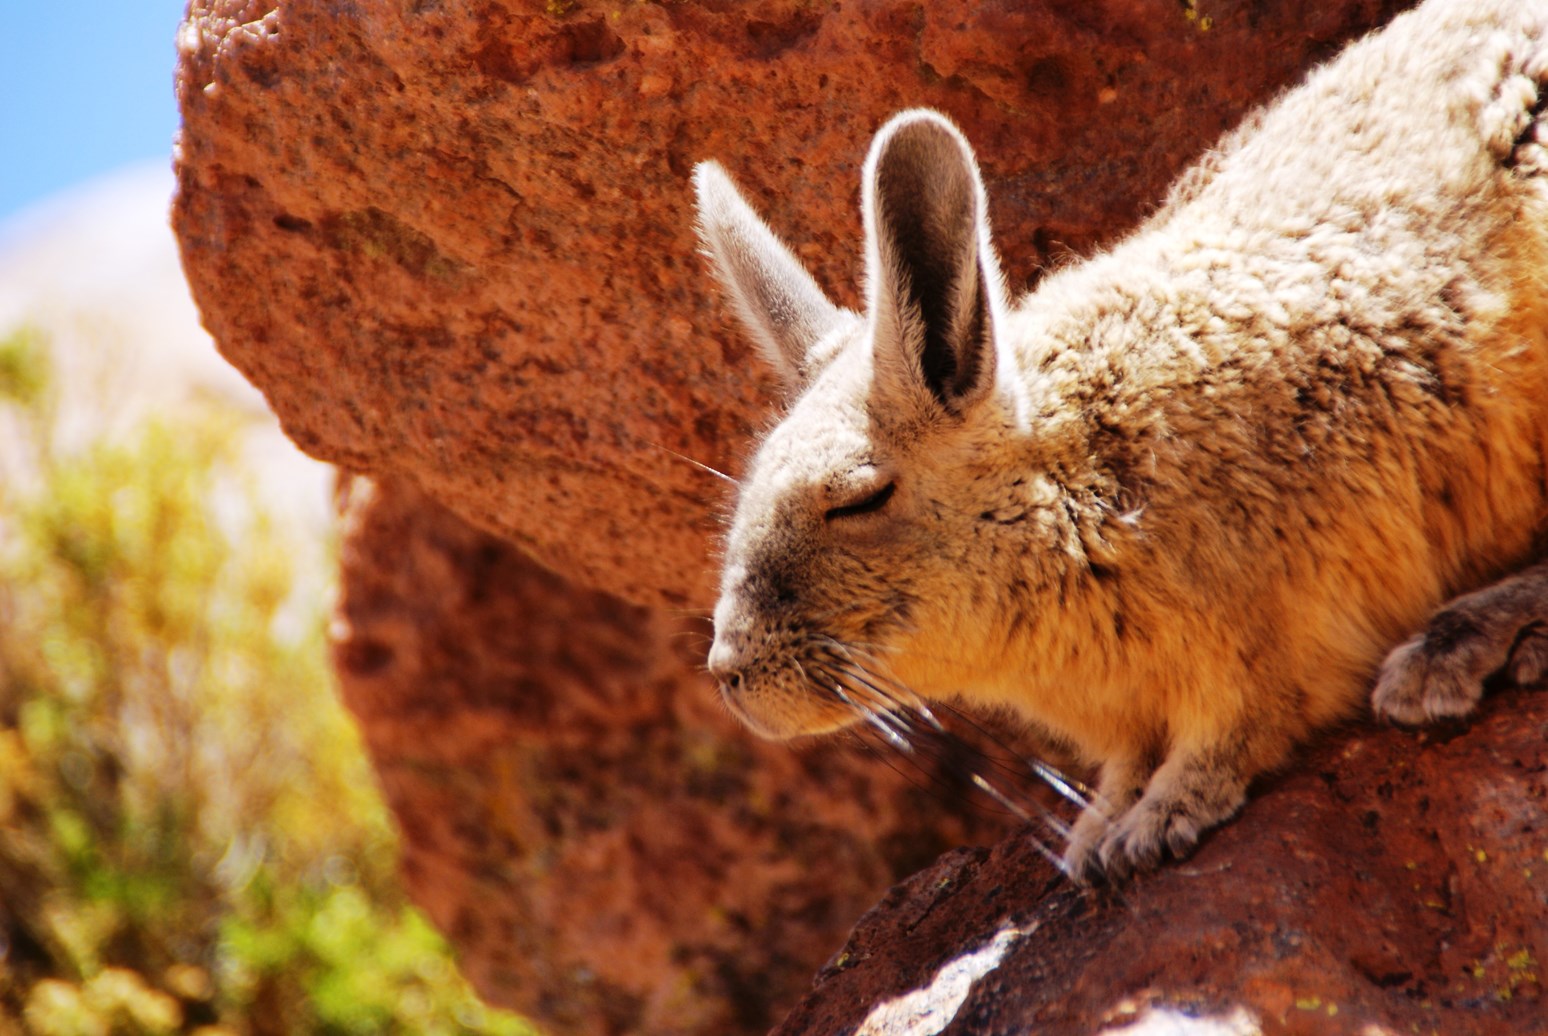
(1179, 503)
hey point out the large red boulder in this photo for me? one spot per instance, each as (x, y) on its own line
(452, 240)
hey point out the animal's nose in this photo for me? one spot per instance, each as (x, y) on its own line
(724, 665)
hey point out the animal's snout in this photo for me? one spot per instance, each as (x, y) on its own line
(731, 652)
(726, 663)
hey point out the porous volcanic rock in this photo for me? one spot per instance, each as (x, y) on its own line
(604, 846)
(1392, 882)
(452, 240)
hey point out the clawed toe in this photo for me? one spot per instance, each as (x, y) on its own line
(1528, 665)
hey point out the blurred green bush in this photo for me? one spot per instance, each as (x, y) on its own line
(191, 839)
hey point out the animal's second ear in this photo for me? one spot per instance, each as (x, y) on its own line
(935, 286)
(774, 295)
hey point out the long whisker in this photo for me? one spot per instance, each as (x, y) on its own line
(981, 780)
(859, 682)
(689, 460)
(910, 713)
(916, 773)
(1075, 791)
(1046, 816)
(1039, 815)
(879, 723)
(1067, 787)
(858, 678)
(884, 721)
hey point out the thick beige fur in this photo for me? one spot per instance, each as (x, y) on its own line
(1177, 504)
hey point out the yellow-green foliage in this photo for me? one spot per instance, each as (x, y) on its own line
(190, 837)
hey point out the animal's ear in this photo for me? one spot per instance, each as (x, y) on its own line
(774, 295)
(934, 284)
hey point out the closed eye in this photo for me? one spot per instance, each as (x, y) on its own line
(875, 502)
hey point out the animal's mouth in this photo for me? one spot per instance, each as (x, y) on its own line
(779, 714)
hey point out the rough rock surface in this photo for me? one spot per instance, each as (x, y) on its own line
(451, 239)
(608, 851)
(1392, 882)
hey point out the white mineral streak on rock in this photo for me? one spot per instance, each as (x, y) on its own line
(1167, 1021)
(928, 1010)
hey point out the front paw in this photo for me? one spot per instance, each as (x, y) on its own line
(1139, 839)
(1103, 850)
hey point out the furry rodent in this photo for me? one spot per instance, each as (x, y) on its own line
(1177, 504)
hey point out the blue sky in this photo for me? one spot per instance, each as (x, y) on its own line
(85, 87)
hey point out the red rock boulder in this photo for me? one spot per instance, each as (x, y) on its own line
(1393, 882)
(452, 240)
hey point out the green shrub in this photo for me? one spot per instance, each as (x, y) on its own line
(190, 836)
